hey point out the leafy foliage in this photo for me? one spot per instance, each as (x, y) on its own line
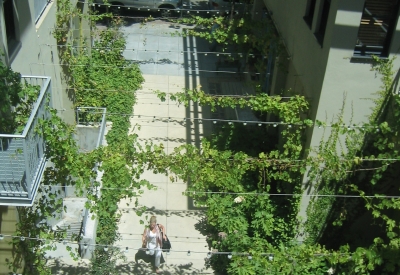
(364, 165)
(68, 164)
(289, 110)
(255, 222)
(252, 36)
(105, 78)
(88, 71)
(15, 93)
(102, 77)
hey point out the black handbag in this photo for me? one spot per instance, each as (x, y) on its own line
(166, 244)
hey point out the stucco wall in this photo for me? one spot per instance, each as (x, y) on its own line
(38, 54)
(326, 71)
(306, 54)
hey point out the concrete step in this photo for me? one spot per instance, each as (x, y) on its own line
(72, 228)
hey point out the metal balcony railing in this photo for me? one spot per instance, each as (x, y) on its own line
(22, 156)
(92, 117)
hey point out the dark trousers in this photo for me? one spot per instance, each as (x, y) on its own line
(141, 255)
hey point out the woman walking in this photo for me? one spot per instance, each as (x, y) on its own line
(152, 240)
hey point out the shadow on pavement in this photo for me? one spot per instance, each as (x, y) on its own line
(168, 213)
(140, 268)
(58, 267)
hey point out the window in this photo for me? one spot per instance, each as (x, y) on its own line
(40, 6)
(8, 8)
(10, 28)
(309, 15)
(323, 21)
(377, 24)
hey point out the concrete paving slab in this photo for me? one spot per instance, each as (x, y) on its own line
(156, 79)
(149, 68)
(146, 57)
(179, 202)
(170, 70)
(149, 43)
(147, 130)
(166, 57)
(130, 55)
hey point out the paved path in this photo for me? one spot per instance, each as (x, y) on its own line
(169, 64)
(173, 209)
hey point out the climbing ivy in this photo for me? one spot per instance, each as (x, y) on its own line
(68, 167)
(16, 101)
(235, 223)
(100, 76)
(332, 168)
(250, 36)
(362, 165)
(289, 109)
(104, 78)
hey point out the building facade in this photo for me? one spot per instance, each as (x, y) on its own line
(329, 44)
(29, 48)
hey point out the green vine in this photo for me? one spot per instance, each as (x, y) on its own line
(371, 153)
(288, 109)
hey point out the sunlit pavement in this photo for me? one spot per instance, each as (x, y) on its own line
(169, 63)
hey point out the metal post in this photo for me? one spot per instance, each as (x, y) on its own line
(28, 178)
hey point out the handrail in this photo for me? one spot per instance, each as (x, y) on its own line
(36, 108)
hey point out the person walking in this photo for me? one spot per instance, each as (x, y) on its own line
(152, 240)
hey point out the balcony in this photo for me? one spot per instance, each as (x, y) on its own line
(90, 127)
(22, 156)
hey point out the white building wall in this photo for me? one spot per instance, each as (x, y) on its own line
(327, 72)
(37, 53)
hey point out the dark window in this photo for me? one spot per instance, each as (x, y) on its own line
(8, 8)
(309, 15)
(377, 24)
(320, 34)
(11, 28)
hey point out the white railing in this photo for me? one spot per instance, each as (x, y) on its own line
(22, 156)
